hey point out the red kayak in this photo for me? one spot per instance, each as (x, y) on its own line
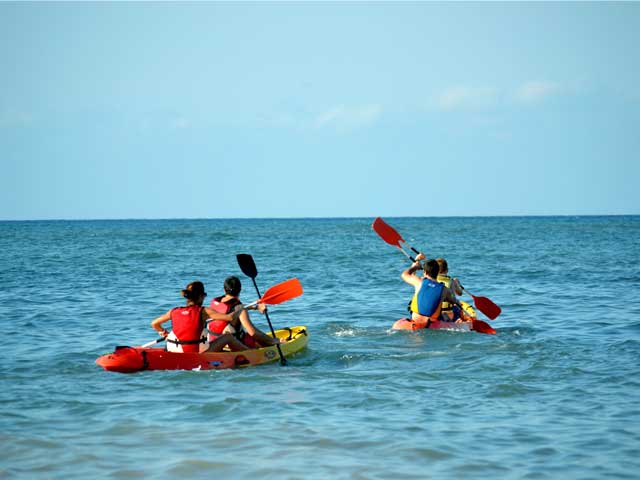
(137, 359)
(474, 325)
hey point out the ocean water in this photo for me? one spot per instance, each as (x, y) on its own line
(555, 394)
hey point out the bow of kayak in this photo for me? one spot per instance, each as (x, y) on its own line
(136, 359)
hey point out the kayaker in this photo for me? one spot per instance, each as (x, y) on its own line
(426, 305)
(450, 311)
(240, 326)
(188, 324)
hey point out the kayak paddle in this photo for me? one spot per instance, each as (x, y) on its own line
(482, 327)
(248, 267)
(485, 305)
(280, 293)
(392, 237)
(150, 344)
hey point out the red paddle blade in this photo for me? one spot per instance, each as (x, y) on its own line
(387, 233)
(486, 306)
(482, 327)
(282, 292)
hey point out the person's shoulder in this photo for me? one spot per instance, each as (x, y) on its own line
(414, 280)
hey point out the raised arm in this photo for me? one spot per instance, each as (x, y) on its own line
(456, 286)
(409, 275)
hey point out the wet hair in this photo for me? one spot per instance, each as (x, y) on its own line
(432, 268)
(232, 286)
(444, 268)
(194, 290)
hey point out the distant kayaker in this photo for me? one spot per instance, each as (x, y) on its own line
(240, 326)
(426, 305)
(188, 324)
(450, 311)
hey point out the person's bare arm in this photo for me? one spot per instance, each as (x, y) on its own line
(409, 276)
(156, 324)
(449, 296)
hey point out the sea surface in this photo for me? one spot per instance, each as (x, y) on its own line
(554, 395)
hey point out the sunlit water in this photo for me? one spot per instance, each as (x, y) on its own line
(555, 394)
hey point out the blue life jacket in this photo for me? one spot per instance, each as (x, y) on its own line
(428, 300)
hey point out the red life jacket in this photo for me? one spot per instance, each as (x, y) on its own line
(187, 326)
(216, 327)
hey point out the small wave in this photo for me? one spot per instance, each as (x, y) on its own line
(438, 353)
(345, 333)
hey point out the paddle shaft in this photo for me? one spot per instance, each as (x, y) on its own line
(408, 256)
(150, 344)
(283, 361)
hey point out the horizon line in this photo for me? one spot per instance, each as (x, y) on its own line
(143, 219)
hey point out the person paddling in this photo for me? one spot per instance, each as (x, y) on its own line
(188, 324)
(450, 312)
(240, 326)
(426, 304)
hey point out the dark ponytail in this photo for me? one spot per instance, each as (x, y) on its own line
(232, 286)
(193, 291)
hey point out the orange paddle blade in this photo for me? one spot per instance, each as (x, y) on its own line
(387, 233)
(282, 292)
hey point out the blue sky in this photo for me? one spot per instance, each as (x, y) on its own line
(215, 110)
